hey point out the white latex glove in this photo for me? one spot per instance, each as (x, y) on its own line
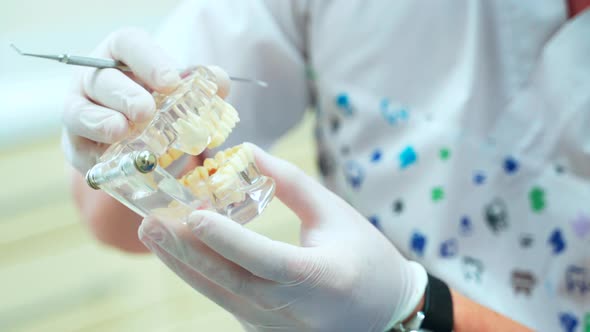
(104, 104)
(346, 276)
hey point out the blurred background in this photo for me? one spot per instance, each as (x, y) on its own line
(53, 275)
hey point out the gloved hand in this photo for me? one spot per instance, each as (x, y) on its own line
(104, 104)
(346, 276)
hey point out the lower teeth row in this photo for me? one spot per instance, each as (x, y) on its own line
(220, 177)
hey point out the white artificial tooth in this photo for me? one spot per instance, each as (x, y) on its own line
(175, 154)
(243, 158)
(231, 112)
(213, 119)
(216, 110)
(220, 157)
(210, 127)
(195, 101)
(223, 128)
(205, 111)
(194, 136)
(235, 163)
(204, 100)
(215, 142)
(186, 126)
(202, 121)
(203, 175)
(210, 164)
(222, 114)
(228, 121)
(249, 152)
(193, 118)
(207, 87)
(165, 160)
(230, 197)
(227, 185)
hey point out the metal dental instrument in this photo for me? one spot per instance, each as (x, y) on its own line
(77, 60)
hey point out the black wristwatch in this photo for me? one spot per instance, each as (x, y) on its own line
(437, 314)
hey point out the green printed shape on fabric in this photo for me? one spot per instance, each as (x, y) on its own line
(438, 194)
(537, 199)
(587, 322)
(445, 154)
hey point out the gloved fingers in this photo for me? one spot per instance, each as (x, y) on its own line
(261, 256)
(81, 152)
(147, 60)
(415, 274)
(177, 239)
(97, 123)
(115, 90)
(222, 80)
(302, 194)
(221, 296)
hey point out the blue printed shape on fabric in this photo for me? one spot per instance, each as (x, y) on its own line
(418, 243)
(557, 241)
(374, 220)
(343, 103)
(511, 165)
(449, 248)
(407, 157)
(376, 156)
(354, 174)
(479, 178)
(393, 113)
(466, 226)
(568, 321)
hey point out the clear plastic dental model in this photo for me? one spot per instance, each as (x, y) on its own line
(188, 120)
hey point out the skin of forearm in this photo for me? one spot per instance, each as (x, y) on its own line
(469, 316)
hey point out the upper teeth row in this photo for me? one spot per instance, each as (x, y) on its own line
(207, 129)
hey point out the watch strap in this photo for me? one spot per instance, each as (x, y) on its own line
(438, 306)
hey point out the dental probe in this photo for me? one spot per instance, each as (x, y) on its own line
(85, 61)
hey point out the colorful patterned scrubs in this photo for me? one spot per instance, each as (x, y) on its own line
(460, 129)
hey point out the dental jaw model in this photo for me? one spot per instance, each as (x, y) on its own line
(189, 120)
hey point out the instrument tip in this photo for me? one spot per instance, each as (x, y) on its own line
(262, 83)
(16, 49)
(249, 80)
